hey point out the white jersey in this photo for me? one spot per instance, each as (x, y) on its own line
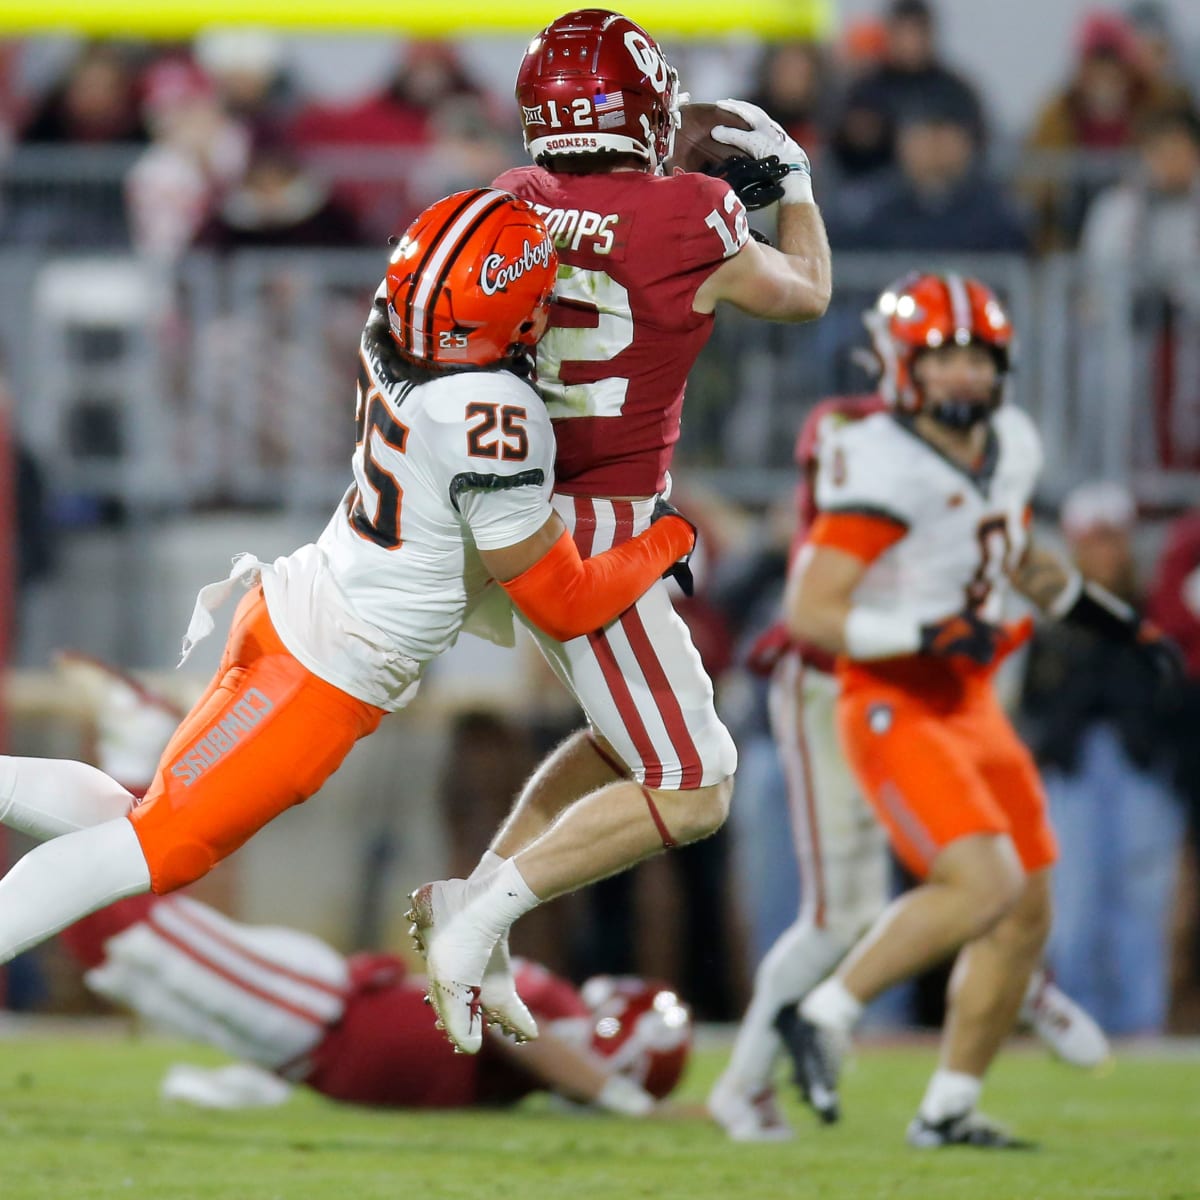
(963, 529)
(442, 470)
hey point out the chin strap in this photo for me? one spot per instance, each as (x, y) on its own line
(960, 415)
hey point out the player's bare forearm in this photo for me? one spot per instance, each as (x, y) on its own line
(802, 238)
(819, 596)
(1041, 576)
(557, 1065)
(793, 283)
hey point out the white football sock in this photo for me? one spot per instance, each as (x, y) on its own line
(950, 1094)
(801, 957)
(830, 1005)
(62, 880)
(488, 865)
(47, 797)
(502, 899)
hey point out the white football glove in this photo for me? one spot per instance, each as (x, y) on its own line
(767, 137)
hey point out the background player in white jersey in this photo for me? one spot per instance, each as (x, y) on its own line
(841, 849)
(646, 258)
(453, 473)
(924, 519)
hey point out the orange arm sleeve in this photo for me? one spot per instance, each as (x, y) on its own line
(568, 596)
(864, 535)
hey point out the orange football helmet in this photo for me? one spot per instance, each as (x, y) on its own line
(469, 280)
(924, 312)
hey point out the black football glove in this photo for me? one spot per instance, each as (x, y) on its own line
(1162, 655)
(963, 634)
(755, 180)
(679, 571)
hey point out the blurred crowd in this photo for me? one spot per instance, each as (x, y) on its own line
(227, 149)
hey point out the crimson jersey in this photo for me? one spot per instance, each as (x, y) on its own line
(375, 1043)
(633, 249)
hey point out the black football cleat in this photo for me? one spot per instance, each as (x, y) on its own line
(816, 1061)
(968, 1129)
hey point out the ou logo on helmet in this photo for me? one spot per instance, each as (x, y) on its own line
(648, 60)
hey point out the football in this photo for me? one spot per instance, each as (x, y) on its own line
(695, 148)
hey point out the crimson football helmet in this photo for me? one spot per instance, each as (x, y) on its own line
(642, 1028)
(470, 281)
(594, 81)
(924, 312)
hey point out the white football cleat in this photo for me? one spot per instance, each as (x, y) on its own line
(456, 953)
(746, 1116)
(239, 1085)
(502, 1003)
(1071, 1033)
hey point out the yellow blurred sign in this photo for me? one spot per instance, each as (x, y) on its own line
(182, 18)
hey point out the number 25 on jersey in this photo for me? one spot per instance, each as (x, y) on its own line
(381, 441)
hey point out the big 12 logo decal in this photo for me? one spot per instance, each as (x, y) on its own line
(649, 61)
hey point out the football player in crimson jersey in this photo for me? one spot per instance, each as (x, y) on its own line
(645, 258)
(290, 1008)
(451, 496)
(923, 524)
(841, 849)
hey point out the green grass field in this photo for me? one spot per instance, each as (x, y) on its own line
(80, 1118)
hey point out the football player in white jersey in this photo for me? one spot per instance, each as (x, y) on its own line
(841, 849)
(923, 523)
(452, 482)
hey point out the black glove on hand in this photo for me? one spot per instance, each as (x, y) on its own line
(755, 180)
(962, 634)
(679, 571)
(1162, 654)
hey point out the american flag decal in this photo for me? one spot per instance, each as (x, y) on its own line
(610, 102)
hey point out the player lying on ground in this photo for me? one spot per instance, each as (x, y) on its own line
(646, 259)
(923, 525)
(841, 851)
(357, 1030)
(453, 475)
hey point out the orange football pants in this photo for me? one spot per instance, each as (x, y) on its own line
(265, 736)
(939, 760)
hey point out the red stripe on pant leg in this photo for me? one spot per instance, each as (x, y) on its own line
(584, 531)
(665, 700)
(190, 917)
(810, 802)
(623, 517)
(197, 956)
(626, 708)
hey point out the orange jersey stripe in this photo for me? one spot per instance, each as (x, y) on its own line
(864, 535)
